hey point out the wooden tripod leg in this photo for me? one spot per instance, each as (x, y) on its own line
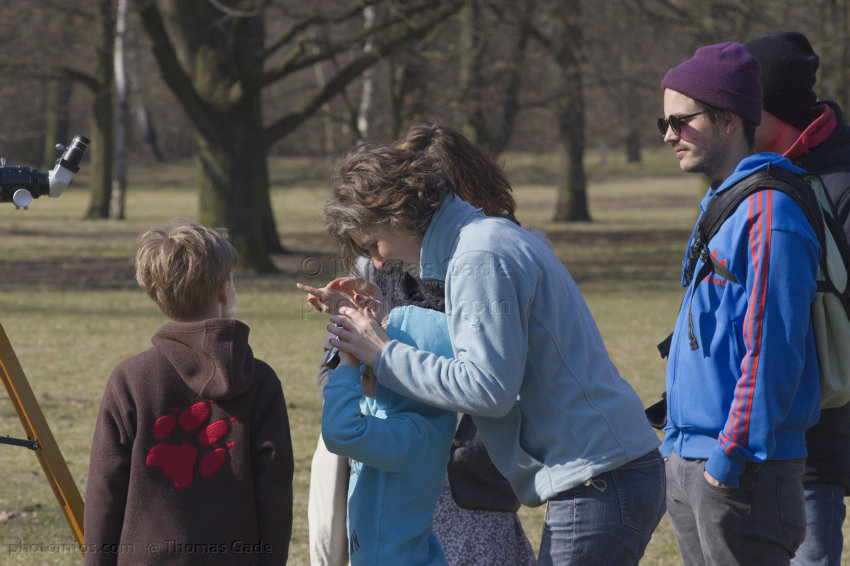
(36, 428)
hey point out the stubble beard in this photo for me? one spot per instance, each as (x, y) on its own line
(710, 161)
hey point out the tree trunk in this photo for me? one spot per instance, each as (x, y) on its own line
(561, 36)
(122, 123)
(142, 116)
(633, 144)
(488, 118)
(407, 91)
(572, 191)
(395, 78)
(58, 126)
(103, 119)
(147, 130)
(326, 114)
(234, 192)
(364, 111)
(469, 65)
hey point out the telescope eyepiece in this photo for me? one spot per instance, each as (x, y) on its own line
(73, 154)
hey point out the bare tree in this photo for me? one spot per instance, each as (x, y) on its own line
(490, 68)
(407, 79)
(43, 57)
(364, 111)
(242, 74)
(58, 123)
(122, 119)
(102, 83)
(215, 58)
(559, 31)
(833, 45)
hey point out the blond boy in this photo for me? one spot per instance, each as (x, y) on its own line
(191, 459)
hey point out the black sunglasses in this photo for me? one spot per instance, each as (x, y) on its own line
(675, 122)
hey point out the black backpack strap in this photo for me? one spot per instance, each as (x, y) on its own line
(664, 345)
(724, 204)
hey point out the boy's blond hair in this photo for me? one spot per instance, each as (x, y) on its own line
(181, 265)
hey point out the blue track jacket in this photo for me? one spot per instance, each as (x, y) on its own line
(400, 449)
(750, 390)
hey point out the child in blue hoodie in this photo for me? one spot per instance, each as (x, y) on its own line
(399, 450)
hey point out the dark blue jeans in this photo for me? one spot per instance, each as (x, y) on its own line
(825, 513)
(607, 520)
(761, 521)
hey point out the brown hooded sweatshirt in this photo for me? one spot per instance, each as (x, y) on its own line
(191, 461)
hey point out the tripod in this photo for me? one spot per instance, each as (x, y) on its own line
(39, 438)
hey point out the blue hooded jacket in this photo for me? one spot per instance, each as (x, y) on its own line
(750, 390)
(400, 449)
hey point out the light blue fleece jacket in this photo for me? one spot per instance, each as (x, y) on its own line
(400, 449)
(530, 364)
(750, 390)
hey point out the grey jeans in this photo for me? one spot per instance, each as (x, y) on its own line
(762, 521)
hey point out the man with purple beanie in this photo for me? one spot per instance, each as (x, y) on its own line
(742, 376)
(814, 135)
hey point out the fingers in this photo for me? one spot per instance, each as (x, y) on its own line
(351, 323)
(365, 302)
(316, 298)
(307, 288)
(358, 333)
(355, 315)
(348, 317)
(343, 332)
(344, 284)
(335, 329)
(370, 288)
(326, 299)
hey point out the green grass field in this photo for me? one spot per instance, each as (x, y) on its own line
(71, 310)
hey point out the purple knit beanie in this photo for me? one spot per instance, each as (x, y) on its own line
(725, 75)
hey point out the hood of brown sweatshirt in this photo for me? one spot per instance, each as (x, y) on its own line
(211, 356)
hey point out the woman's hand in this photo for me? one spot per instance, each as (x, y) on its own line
(326, 299)
(358, 333)
(344, 292)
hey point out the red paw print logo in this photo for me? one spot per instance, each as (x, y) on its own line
(177, 461)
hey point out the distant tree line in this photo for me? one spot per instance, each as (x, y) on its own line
(233, 82)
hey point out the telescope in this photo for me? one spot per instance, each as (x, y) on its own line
(19, 185)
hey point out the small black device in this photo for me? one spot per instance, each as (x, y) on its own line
(331, 359)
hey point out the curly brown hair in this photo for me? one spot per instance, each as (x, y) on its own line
(384, 186)
(478, 178)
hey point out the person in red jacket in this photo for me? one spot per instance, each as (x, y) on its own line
(191, 460)
(814, 136)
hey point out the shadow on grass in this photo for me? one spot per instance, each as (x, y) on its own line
(613, 258)
(622, 259)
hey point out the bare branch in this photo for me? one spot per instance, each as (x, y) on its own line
(173, 72)
(397, 18)
(412, 32)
